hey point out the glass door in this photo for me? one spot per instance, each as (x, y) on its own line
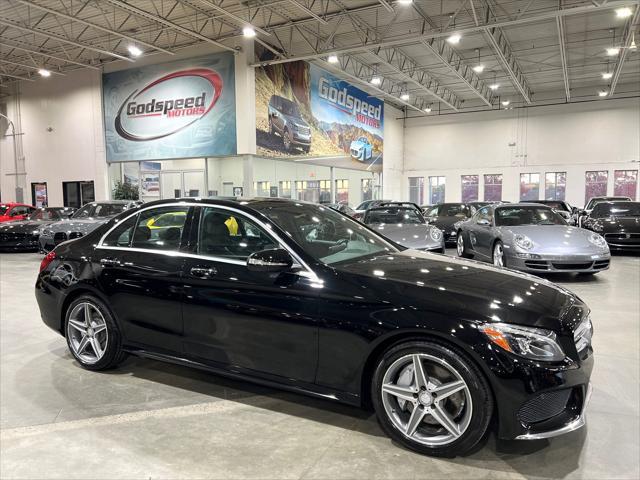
(182, 184)
(171, 184)
(193, 184)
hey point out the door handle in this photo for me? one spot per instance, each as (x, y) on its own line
(203, 272)
(109, 262)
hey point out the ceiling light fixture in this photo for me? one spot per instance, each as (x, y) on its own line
(134, 51)
(45, 73)
(478, 68)
(607, 75)
(332, 59)
(248, 32)
(623, 12)
(603, 93)
(405, 2)
(404, 96)
(506, 103)
(428, 109)
(454, 39)
(494, 86)
(376, 80)
(613, 51)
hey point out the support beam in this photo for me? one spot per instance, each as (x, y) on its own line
(24, 65)
(48, 55)
(308, 11)
(233, 16)
(167, 23)
(62, 39)
(93, 25)
(386, 5)
(15, 76)
(628, 38)
(563, 58)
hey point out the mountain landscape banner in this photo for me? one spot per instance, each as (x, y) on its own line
(305, 111)
(180, 109)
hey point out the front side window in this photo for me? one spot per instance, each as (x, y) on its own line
(108, 209)
(45, 214)
(529, 187)
(515, 216)
(485, 213)
(84, 212)
(326, 235)
(470, 188)
(160, 228)
(226, 234)
(555, 185)
(20, 210)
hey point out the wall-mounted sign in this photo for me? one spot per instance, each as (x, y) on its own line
(171, 110)
(304, 111)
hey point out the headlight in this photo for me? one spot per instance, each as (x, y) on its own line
(523, 242)
(527, 342)
(597, 240)
(597, 226)
(436, 234)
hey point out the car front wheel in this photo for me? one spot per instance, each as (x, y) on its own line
(461, 248)
(92, 335)
(431, 398)
(498, 255)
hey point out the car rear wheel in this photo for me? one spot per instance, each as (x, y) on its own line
(498, 255)
(431, 398)
(92, 335)
(461, 246)
(286, 140)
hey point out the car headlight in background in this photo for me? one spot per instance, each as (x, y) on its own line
(597, 240)
(523, 242)
(436, 234)
(597, 226)
(532, 343)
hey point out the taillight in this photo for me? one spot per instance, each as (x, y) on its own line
(48, 258)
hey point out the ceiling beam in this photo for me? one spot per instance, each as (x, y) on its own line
(24, 65)
(628, 38)
(62, 39)
(386, 5)
(308, 11)
(233, 16)
(95, 26)
(48, 55)
(2, 74)
(167, 23)
(563, 58)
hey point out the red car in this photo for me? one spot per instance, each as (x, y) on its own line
(14, 211)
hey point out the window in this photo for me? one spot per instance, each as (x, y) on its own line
(285, 189)
(485, 213)
(121, 235)
(160, 228)
(45, 214)
(625, 183)
(325, 191)
(108, 209)
(493, 188)
(84, 212)
(416, 190)
(529, 187)
(225, 234)
(366, 189)
(309, 191)
(595, 184)
(436, 190)
(555, 185)
(342, 191)
(470, 188)
(262, 189)
(20, 210)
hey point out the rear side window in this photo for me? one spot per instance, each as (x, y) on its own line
(121, 235)
(160, 228)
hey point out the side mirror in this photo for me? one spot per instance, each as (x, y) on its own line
(484, 222)
(273, 260)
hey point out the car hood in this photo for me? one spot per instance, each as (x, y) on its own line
(78, 225)
(620, 224)
(467, 289)
(357, 143)
(408, 235)
(25, 225)
(446, 223)
(556, 238)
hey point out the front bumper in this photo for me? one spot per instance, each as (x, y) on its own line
(537, 263)
(46, 243)
(18, 242)
(300, 138)
(623, 241)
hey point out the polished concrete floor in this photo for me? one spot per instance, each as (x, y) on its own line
(151, 420)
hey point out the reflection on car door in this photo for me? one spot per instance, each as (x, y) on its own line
(264, 323)
(483, 233)
(142, 278)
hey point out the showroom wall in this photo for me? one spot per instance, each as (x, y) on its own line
(575, 138)
(393, 166)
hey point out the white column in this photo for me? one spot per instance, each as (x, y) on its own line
(245, 98)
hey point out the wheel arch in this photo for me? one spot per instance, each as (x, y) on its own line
(74, 294)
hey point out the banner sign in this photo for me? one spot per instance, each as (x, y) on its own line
(172, 110)
(305, 111)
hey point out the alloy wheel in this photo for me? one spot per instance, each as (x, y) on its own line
(426, 399)
(498, 255)
(87, 332)
(287, 140)
(460, 245)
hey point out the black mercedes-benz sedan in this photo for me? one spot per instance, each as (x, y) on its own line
(302, 297)
(618, 222)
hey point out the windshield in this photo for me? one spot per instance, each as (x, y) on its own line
(516, 216)
(44, 214)
(325, 234)
(290, 108)
(108, 209)
(451, 210)
(398, 215)
(3, 209)
(594, 201)
(622, 209)
(84, 212)
(554, 204)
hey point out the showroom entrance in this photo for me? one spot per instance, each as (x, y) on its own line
(191, 183)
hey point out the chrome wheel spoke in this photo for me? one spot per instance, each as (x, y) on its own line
(87, 314)
(79, 326)
(99, 328)
(421, 379)
(416, 417)
(87, 326)
(402, 393)
(82, 344)
(443, 391)
(444, 419)
(97, 348)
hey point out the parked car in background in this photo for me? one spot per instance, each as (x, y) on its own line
(406, 226)
(565, 210)
(20, 235)
(83, 221)
(14, 211)
(306, 299)
(364, 206)
(581, 214)
(285, 120)
(361, 149)
(618, 222)
(445, 215)
(531, 237)
(343, 208)
(402, 204)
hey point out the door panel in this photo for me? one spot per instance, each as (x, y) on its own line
(171, 184)
(193, 184)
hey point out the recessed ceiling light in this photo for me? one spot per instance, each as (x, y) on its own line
(376, 80)
(44, 73)
(405, 2)
(603, 93)
(607, 76)
(454, 39)
(428, 109)
(248, 32)
(478, 68)
(613, 51)
(623, 12)
(404, 96)
(506, 103)
(332, 59)
(495, 86)
(134, 51)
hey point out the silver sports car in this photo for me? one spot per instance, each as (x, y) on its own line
(406, 226)
(532, 238)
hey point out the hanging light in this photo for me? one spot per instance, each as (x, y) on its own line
(44, 72)
(505, 103)
(479, 68)
(332, 58)
(404, 96)
(454, 39)
(375, 80)
(623, 12)
(428, 109)
(248, 32)
(613, 51)
(607, 75)
(134, 51)
(603, 93)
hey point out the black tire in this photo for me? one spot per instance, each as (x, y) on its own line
(481, 397)
(113, 353)
(287, 138)
(465, 253)
(306, 149)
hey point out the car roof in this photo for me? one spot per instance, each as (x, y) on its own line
(15, 204)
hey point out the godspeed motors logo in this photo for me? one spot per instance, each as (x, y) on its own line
(168, 105)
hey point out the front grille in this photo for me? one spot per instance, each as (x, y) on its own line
(304, 130)
(632, 239)
(355, 152)
(12, 237)
(573, 266)
(537, 264)
(544, 406)
(59, 237)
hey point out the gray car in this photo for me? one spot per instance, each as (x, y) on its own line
(83, 221)
(531, 238)
(286, 120)
(406, 226)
